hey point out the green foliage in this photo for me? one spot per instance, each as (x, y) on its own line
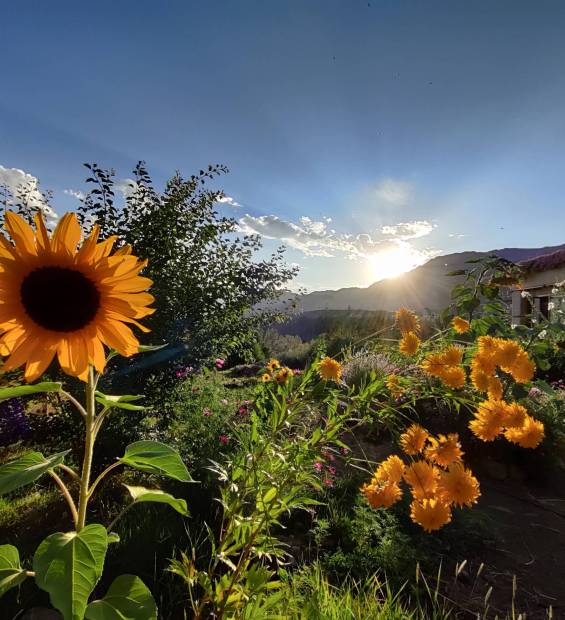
(127, 598)
(26, 469)
(28, 390)
(156, 458)
(68, 566)
(205, 278)
(141, 495)
(11, 572)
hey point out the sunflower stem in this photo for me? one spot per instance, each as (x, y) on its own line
(89, 422)
(75, 402)
(65, 491)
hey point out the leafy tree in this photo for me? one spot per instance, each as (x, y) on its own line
(207, 282)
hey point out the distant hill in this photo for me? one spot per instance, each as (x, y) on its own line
(424, 288)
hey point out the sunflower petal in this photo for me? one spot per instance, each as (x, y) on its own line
(43, 241)
(22, 233)
(67, 235)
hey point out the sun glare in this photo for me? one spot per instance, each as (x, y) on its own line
(394, 262)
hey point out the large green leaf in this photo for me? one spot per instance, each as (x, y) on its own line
(68, 566)
(26, 390)
(11, 572)
(155, 457)
(128, 598)
(141, 494)
(26, 469)
(121, 402)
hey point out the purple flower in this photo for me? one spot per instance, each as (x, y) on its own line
(331, 469)
(318, 466)
(14, 424)
(534, 392)
(344, 451)
(224, 440)
(219, 363)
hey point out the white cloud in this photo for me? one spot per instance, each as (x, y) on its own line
(456, 235)
(14, 179)
(228, 200)
(409, 230)
(75, 193)
(394, 192)
(313, 238)
(126, 187)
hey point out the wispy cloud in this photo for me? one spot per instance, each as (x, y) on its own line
(315, 238)
(75, 193)
(15, 179)
(228, 200)
(394, 192)
(409, 230)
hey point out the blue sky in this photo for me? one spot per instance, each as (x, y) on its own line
(397, 129)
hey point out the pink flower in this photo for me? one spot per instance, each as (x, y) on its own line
(243, 409)
(219, 363)
(344, 451)
(224, 440)
(318, 466)
(328, 482)
(206, 412)
(331, 469)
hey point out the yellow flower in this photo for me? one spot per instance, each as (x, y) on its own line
(480, 380)
(381, 495)
(390, 470)
(458, 486)
(529, 435)
(329, 368)
(409, 343)
(523, 369)
(454, 377)
(273, 365)
(452, 356)
(484, 363)
(422, 478)
(494, 388)
(59, 299)
(413, 440)
(407, 321)
(283, 375)
(431, 514)
(489, 419)
(488, 345)
(460, 325)
(265, 377)
(394, 386)
(434, 365)
(444, 450)
(508, 350)
(515, 415)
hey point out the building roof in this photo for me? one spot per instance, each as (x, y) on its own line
(545, 262)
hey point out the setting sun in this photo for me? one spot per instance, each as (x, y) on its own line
(394, 262)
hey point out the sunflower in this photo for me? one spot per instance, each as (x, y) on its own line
(444, 450)
(515, 415)
(523, 368)
(495, 388)
(461, 325)
(431, 514)
(413, 440)
(273, 365)
(480, 380)
(458, 486)
(434, 365)
(58, 299)
(283, 375)
(409, 343)
(329, 368)
(407, 321)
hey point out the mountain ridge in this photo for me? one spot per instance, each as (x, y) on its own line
(426, 287)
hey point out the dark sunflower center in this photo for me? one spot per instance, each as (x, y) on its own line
(60, 299)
